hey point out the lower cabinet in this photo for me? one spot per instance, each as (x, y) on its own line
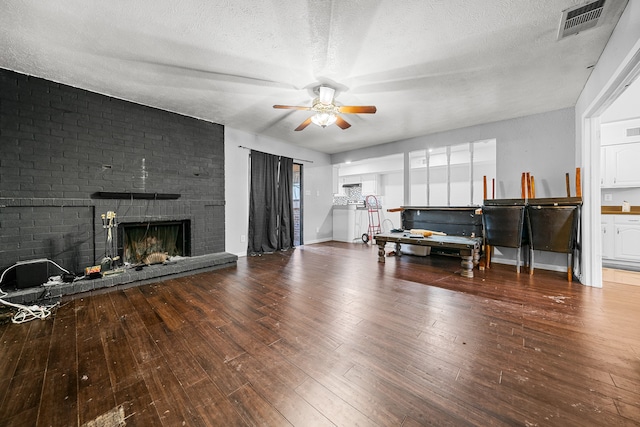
(349, 223)
(621, 237)
(627, 238)
(607, 237)
(343, 223)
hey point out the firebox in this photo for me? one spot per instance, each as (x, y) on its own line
(153, 242)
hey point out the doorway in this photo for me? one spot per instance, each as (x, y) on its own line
(297, 205)
(625, 74)
(620, 182)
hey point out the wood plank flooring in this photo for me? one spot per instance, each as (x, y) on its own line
(621, 276)
(327, 336)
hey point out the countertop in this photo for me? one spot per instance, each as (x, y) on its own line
(617, 210)
(350, 206)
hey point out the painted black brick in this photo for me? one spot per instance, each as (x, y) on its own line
(59, 145)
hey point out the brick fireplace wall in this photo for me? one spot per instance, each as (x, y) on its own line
(60, 145)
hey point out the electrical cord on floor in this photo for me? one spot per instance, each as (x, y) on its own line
(27, 313)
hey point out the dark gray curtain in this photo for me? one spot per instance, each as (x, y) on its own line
(285, 190)
(270, 204)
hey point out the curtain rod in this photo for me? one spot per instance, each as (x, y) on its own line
(295, 160)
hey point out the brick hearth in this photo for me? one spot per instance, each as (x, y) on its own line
(152, 273)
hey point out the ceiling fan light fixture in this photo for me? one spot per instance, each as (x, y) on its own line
(325, 95)
(325, 112)
(323, 119)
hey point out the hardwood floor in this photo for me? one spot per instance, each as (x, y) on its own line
(620, 276)
(326, 335)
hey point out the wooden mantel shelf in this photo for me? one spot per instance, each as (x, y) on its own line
(131, 195)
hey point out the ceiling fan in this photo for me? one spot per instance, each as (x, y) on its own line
(326, 111)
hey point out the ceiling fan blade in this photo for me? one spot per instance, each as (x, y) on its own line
(341, 123)
(292, 107)
(304, 124)
(357, 109)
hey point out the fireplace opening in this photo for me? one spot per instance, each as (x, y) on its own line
(153, 242)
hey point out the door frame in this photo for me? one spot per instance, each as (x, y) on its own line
(591, 254)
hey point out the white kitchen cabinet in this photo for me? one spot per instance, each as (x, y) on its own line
(621, 165)
(607, 236)
(622, 132)
(627, 237)
(369, 182)
(343, 223)
(349, 223)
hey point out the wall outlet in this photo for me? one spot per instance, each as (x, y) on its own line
(243, 238)
(608, 197)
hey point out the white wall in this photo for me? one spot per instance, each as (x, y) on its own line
(620, 195)
(317, 188)
(392, 193)
(616, 62)
(626, 107)
(542, 144)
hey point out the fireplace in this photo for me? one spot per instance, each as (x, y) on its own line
(153, 242)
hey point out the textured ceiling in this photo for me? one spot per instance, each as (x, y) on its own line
(428, 65)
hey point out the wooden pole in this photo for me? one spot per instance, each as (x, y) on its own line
(484, 187)
(532, 188)
(568, 183)
(523, 186)
(493, 188)
(578, 183)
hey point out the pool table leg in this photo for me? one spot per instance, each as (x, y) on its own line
(381, 245)
(467, 266)
(476, 256)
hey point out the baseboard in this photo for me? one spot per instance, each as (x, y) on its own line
(311, 242)
(550, 267)
(621, 265)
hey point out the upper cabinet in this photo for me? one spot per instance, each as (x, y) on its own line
(623, 132)
(369, 183)
(620, 155)
(621, 165)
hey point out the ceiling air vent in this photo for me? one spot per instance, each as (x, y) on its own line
(580, 18)
(633, 132)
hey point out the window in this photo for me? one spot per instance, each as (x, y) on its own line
(451, 175)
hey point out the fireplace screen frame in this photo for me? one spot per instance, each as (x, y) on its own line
(184, 234)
